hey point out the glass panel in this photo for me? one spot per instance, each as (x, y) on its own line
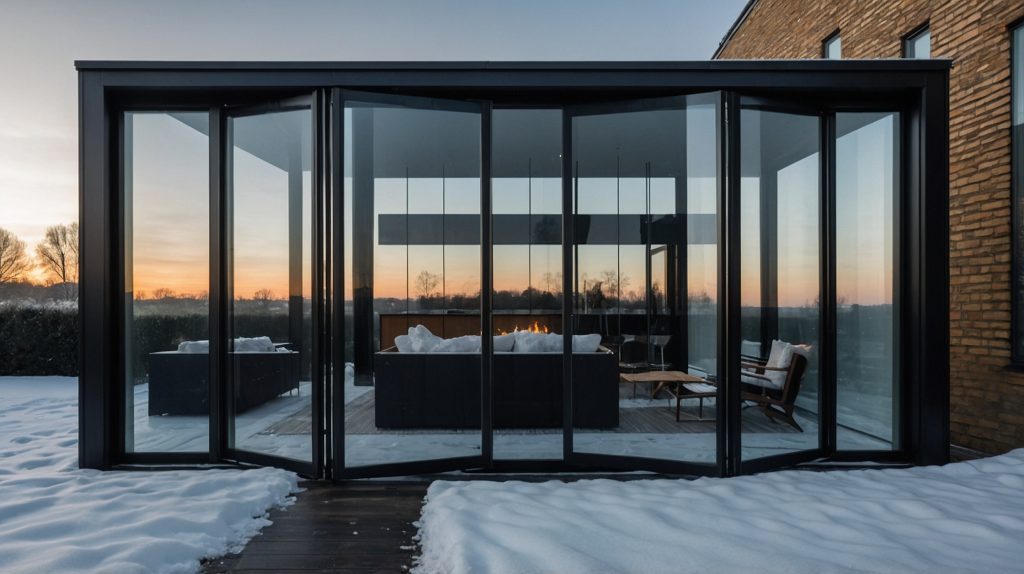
(641, 178)
(527, 206)
(834, 48)
(702, 240)
(1017, 138)
(269, 353)
(919, 45)
(412, 291)
(866, 180)
(779, 277)
(167, 277)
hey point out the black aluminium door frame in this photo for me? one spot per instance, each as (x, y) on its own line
(569, 190)
(336, 435)
(313, 102)
(826, 285)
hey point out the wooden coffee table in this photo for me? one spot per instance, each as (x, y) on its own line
(679, 384)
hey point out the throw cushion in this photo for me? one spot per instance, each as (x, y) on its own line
(423, 341)
(586, 343)
(464, 344)
(403, 343)
(504, 343)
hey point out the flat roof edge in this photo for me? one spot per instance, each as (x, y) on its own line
(625, 65)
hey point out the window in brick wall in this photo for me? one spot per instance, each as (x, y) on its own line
(918, 45)
(832, 47)
(1017, 139)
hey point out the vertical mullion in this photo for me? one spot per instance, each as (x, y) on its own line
(216, 301)
(729, 340)
(316, 194)
(568, 239)
(337, 402)
(225, 374)
(827, 394)
(486, 260)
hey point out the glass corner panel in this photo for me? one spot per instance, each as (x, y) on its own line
(166, 280)
(867, 192)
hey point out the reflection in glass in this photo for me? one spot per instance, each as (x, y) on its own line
(412, 282)
(526, 192)
(645, 268)
(866, 180)
(167, 245)
(779, 277)
(270, 349)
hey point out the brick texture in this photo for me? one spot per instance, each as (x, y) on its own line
(986, 399)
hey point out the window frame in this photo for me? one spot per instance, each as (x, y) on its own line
(833, 37)
(908, 39)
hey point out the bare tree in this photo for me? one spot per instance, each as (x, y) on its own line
(58, 256)
(263, 296)
(13, 260)
(425, 283)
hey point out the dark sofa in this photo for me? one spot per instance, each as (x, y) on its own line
(179, 382)
(442, 390)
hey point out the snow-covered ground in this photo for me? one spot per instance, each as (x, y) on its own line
(963, 517)
(55, 517)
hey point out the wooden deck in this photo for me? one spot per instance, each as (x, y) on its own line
(355, 527)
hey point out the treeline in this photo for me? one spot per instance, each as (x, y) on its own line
(55, 258)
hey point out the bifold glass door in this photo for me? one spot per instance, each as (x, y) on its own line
(272, 398)
(597, 232)
(410, 288)
(643, 262)
(782, 270)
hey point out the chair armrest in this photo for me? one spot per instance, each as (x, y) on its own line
(756, 376)
(763, 367)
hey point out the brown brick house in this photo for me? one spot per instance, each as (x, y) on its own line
(981, 38)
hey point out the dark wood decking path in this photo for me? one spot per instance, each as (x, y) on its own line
(355, 527)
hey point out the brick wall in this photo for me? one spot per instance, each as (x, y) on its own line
(986, 399)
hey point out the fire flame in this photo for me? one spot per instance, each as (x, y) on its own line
(535, 328)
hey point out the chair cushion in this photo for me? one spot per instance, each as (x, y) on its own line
(780, 357)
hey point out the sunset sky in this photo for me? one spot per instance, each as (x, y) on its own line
(38, 123)
(40, 40)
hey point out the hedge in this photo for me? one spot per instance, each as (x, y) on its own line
(38, 340)
(42, 340)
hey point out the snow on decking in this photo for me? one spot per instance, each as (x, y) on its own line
(55, 517)
(963, 517)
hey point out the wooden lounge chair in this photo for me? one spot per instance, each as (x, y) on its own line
(760, 388)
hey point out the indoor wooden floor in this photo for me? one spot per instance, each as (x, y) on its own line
(658, 418)
(354, 527)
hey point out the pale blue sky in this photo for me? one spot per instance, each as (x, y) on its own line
(40, 40)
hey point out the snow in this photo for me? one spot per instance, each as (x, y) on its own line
(962, 517)
(55, 517)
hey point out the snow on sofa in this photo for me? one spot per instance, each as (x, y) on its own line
(426, 382)
(179, 380)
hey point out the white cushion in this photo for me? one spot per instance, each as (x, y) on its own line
(403, 343)
(464, 344)
(254, 345)
(423, 341)
(528, 342)
(586, 343)
(758, 382)
(194, 347)
(780, 357)
(504, 343)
